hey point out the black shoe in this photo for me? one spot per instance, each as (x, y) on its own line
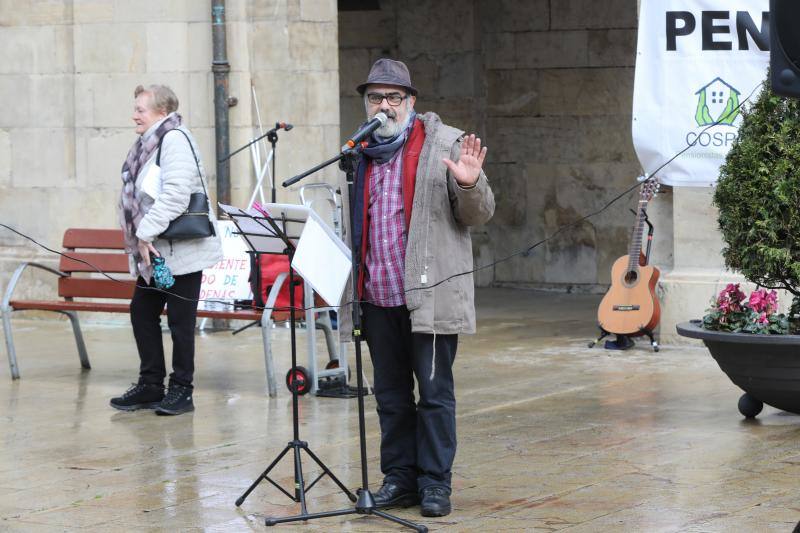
(391, 495)
(139, 396)
(177, 401)
(435, 502)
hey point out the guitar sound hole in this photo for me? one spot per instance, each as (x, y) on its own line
(631, 277)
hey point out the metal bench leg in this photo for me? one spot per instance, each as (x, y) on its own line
(76, 328)
(266, 331)
(12, 354)
(324, 323)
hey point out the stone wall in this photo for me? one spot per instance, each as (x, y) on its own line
(548, 84)
(294, 66)
(67, 76)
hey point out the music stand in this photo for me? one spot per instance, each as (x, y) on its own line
(268, 235)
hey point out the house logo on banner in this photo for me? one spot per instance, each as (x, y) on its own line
(717, 103)
(715, 116)
(696, 63)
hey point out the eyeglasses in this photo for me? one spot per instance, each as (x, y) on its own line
(393, 98)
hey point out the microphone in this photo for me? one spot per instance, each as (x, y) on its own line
(365, 130)
(283, 126)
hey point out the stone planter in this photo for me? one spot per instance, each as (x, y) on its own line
(765, 367)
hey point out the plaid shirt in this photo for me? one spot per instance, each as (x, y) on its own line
(386, 252)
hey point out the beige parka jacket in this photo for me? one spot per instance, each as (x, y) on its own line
(438, 244)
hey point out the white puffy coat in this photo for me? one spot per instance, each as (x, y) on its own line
(179, 179)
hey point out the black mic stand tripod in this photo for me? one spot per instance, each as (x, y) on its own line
(365, 504)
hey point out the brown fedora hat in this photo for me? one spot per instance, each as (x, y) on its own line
(388, 72)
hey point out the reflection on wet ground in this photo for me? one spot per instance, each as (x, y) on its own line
(552, 436)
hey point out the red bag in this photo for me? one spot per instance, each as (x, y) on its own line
(270, 266)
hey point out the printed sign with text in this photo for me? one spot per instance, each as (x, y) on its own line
(228, 280)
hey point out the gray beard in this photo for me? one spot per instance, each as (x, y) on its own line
(391, 129)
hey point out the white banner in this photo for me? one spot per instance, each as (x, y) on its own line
(697, 61)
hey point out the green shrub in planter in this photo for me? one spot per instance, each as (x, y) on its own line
(758, 196)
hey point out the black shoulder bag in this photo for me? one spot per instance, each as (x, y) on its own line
(194, 223)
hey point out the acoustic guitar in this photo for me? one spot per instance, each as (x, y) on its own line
(630, 307)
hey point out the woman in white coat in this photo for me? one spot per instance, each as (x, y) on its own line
(150, 200)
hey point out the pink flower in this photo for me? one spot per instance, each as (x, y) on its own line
(730, 298)
(772, 302)
(739, 294)
(758, 300)
(730, 287)
(763, 301)
(733, 309)
(733, 292)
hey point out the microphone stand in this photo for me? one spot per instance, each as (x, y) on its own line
(365, 504)
(272, 137)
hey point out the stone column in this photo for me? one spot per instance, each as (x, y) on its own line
(696, 270)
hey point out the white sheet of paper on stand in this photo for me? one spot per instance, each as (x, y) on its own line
(323, 260)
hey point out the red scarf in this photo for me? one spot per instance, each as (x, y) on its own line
(411, 153)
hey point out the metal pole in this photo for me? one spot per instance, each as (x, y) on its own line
(221, 68)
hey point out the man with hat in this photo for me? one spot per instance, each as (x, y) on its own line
(419, 186)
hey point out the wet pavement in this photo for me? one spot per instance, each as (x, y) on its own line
(553, 436)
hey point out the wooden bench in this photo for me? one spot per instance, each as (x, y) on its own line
(104, 249)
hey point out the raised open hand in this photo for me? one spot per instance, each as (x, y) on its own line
(468, 168)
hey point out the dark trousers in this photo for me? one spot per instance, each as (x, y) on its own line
(146, 308)
(418, 439)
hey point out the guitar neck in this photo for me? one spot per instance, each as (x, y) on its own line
(635, 247)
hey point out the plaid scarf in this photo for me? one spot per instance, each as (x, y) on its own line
(131, 209)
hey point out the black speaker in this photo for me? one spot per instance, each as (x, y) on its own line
(784, 55)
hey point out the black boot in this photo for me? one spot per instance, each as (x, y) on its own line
(391, 495)
(435, 501)
(177, 401)
(139, 396)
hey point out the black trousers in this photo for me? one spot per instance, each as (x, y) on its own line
(418, 439)
(146, 308)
